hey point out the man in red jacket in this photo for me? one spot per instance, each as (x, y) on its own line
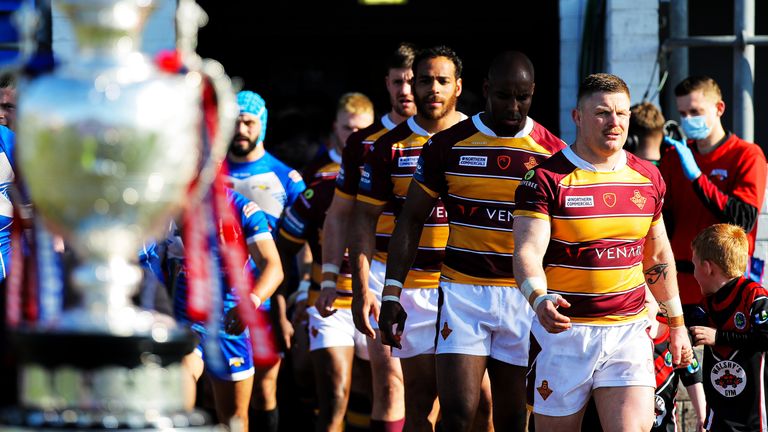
(715, 177)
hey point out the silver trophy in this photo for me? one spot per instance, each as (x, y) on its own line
(108, 146)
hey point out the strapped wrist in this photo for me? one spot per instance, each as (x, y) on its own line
(394, 283)
(330, 268)
(328, 284)
(533, 287)
(674, 310)
(542, 298)
(392, 298)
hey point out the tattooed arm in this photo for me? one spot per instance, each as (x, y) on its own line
(661, 278)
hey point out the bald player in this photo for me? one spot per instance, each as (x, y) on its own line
(475, 167)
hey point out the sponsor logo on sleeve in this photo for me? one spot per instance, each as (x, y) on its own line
(250, 209)
(473, 161)
(365, 179)
(295, 176)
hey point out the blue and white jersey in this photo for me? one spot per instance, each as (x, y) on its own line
(269, 183)
(254, 227)
(7, 177)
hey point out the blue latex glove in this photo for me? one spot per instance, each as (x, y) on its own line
(690, 168)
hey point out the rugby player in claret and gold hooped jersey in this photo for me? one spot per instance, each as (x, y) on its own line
(387, 380)
(333, 340)
(589, 240)
(474, 167)
(387, 172)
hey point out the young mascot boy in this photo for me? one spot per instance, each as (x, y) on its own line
(735, 332)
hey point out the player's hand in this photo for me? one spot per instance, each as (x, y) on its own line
(392, 314)
(324, 302)
(703, 335)
(690, 167)
(285, 333)
(363, 306)
(680, 347)
(549, 318)
(233, 324)
(300, 316)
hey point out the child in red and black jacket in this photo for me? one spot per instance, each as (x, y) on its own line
(734, 331)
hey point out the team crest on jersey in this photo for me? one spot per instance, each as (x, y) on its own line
(473, 161)
(529, 175)
(739, 320)
(580, 201)
(236, 361)
(532, 162)
(609, 198)
(504, 161)
(638, 199)
(544, 389)
(314, 331)
(309, 193)
(728, 378)
(250, 209)
(668, 359)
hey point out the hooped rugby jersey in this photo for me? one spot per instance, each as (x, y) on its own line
(386, 176)
(352, 159)
(599, 221)
(735, 374)
(476, 173)
(303, 222)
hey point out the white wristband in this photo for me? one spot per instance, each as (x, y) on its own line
(674, 307)
(256, 300)
(327, 284)
(330, 268)
(394, 283)
(301, 296)
(532, 285)
(392, 298)
(545, 297)
(304, 286)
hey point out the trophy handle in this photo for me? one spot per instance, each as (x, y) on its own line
(219, 129)
(190, 17)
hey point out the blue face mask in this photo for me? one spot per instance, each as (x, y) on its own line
(696, 127)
